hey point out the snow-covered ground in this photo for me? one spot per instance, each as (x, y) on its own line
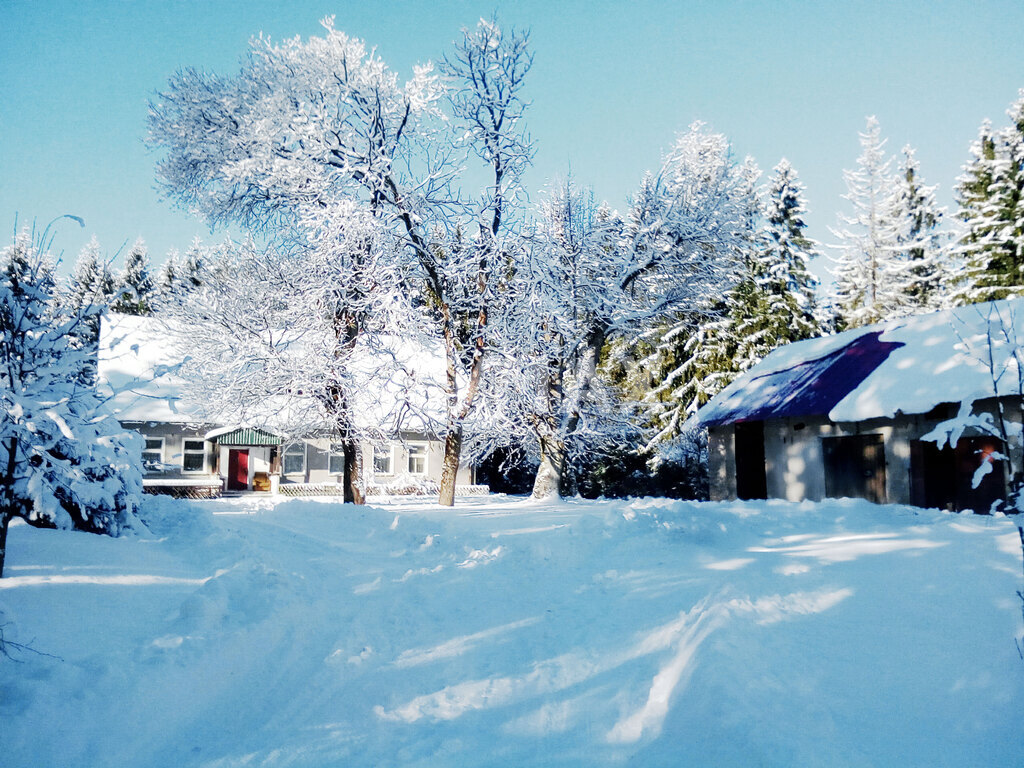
(511, 633)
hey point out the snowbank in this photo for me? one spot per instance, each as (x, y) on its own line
(650, 632)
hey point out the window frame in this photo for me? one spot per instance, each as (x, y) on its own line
(379, 450)
(284, 458)
(335, 451)
(186, 451)
(410, 456)
(146, 449)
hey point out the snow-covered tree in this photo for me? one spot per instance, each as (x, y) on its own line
(549, 394)
(64, 461)
(308, 124)
(595, 281)
(91, 281)
(921, 275)
(91, 286)
(990, 194)
(135, 287)
(291, 340)
(765, 300)
(168, 281)
(867, 272)
(193, 269)
(774, 302)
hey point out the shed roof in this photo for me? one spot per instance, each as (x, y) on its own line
(811, 387)
(909, 365)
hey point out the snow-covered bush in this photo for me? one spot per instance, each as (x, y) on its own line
(65, 462)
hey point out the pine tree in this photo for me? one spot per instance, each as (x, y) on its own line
(867, 271)
(64, 462)
(922, 275)
(194, 269)
(135, 285)
(169, 279)
(91, 281)
(90, 291)
(774, 303)
(990, 194)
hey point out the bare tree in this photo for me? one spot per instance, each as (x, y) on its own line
(593, 279)
(310, 125)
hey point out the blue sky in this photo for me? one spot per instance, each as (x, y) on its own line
(612, 84)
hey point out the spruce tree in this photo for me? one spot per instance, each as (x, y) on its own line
(90, 290)
(867, 271)
(193, 271)
(135, 285)
(66, 463)
(921, 277)
(990, 195)
(774, 303)
(169, 281)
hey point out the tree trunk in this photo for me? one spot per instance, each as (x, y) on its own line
(5, 519)
(7, 504)
(353, 455)
(450, 466)
(551, 472)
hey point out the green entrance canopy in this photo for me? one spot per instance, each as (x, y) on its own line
(247, 436)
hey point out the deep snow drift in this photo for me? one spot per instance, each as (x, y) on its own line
(505, 632)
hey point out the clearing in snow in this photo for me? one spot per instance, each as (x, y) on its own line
(505, 632)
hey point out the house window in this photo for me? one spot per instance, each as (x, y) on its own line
(193, 456)
(417, 459)
(153, 454)
(336, 462)
(295, 459)
(382, 460)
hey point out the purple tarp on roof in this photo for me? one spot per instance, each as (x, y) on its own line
(811, 388)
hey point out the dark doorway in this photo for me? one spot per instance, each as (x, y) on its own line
(932, 476)
(751, 479)
(238, 469)
(971, 452)
(855, 467)
(945, 478)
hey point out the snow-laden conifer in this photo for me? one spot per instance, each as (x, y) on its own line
(990, 196)
(64, 461)
(921, 271)
(774, 303)
(867, 271)
(91, 281)
(136, 289)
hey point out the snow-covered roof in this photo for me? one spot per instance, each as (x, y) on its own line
(909, 365)
(138, 371)
(139, 368)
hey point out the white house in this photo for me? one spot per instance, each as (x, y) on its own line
(845, 415)
(138, 368)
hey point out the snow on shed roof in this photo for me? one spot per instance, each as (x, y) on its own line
(909, 365)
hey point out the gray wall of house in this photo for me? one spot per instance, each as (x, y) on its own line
(316, 464)
(794, 461)
(318, 454)
(174, 436)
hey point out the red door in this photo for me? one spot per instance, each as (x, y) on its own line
(238, 469)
